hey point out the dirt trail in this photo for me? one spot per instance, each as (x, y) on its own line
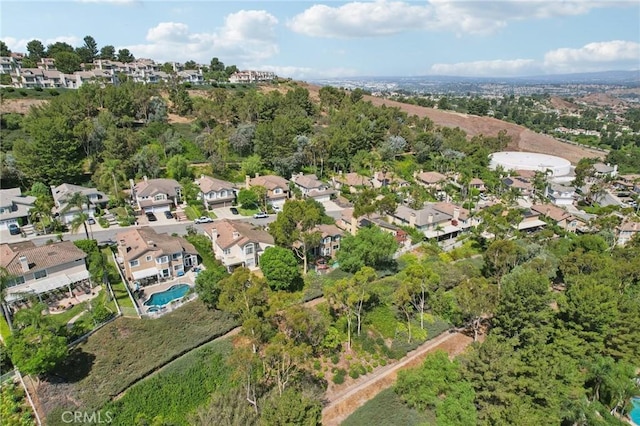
(341, 404)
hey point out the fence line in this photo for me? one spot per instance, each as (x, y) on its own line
(89, 333)
(126, 286)
(33, 406)
(8, 376)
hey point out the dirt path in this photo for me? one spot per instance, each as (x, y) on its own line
(344, 402)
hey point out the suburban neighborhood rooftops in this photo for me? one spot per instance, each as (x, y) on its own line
(135, 242)
(231, 232)
(209, 184)
(38, 257)
(151, 187)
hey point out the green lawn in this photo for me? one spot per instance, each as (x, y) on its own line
(118, 287)
(128, 349)
(4, 328)
(247, 212)
(193, 212)
(388, 409)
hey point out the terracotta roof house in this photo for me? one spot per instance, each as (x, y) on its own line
(353, 181)
(382, 179)
(36, 270)
(522, 185)
(277, 188)
(148, 256)
(430, 179)
(215, 192)
(329, 242)
(63, 193)
(236, 243)
(431, 222)
(14, 207)
(530, 221)
(478, 184)
(561, 217)
(156, 195)
(560, 195)
(312, 187)
(627, 230)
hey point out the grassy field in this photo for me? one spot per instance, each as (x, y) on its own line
(388, 409)
(119, 291)
(4, 328)
(127, 350)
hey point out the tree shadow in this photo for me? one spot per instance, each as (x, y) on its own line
(74, 368)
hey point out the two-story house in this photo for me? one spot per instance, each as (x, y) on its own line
(14, 207)
(560, 217)
(215, 192)
(330, 237)
(63, 193)
(147, 256)
(601, 170)
(236, 243)
(477, 183)
(627, 230)
(383, 179)
(560, 195)
(530, 221)
(156, 195)
(428, 220)
(277, 188)
(42, 269)
(430, 180)
(521, 185)
(353, 181)
(312, 187)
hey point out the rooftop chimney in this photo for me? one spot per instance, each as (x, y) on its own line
(247, 182)
(456, 213)
(24, 263)
(430, 218)
(412, 220)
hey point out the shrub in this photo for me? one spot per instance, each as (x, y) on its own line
(38, 89)
(103, 222)
(316, 365)
(23, 92)
(338, 377)
(54, 92)
(354, 373)
(335, 358)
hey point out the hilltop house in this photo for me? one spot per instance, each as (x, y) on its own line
(353, 181)
(329, 241)
(42, 269)
(215, 192)
(627, 230)
(14, 207)
(237, 243)
(277, 188)
(64, 192)
(560, 217)
(147, 256)
(560, 195)
(431, 180)
(156, 195)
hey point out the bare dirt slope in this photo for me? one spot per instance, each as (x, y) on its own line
(19, 106)
(345, 401)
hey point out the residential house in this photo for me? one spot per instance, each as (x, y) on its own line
(602, 170)
(530, 221)
(312, 187)
(521, 185)
(627, 230)
(329, 242)
(431, 180)
(560, 195)
(353, 181)
(147, 256)
(156, 195)
(560, 217)
(398, 233)
(428, 220)
(237, 243)
(36, 270)
(215, 192)
(191, 76)
(8, 65)
(63, 193)
(277, 188)
(478, 184)
(382, 179)
(251, 76)
(14, 207)
(460, 217)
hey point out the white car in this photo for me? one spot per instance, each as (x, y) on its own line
(203, 219)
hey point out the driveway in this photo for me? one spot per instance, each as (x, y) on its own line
(225, 213)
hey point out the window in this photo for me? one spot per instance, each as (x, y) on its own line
(148, 258)
(248, 249)
(134, 263)
(227, 251)
(277, 191)
(327, 240)
(175, 256)
(162, 259)
(177, 268)
(40, 274)
(159, 197)
(336, 247)
(15, 281)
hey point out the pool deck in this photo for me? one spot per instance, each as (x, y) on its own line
(188, 278)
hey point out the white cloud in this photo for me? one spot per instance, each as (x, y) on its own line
(596, 56)
(615, 54)
(498, 67)
(246, 36)
(382, 17)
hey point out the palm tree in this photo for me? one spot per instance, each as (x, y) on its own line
(79, 200)
(112, 173)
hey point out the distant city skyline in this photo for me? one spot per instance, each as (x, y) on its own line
(312, 40)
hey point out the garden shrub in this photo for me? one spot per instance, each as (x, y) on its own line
(338, 377)
(335, 358)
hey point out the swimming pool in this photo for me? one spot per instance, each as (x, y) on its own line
(174, 292)
(635, 411)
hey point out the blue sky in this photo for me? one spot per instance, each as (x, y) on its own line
(306, 39)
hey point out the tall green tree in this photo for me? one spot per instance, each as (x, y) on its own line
(125, 56)
(79, 201)
(280, 268)
(4, 49)
(369, 247)
(477, 299)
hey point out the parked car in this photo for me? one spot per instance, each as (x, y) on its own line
(91, 221)
(151, 217)
(168, 214)
(14, 229)
(260, 215)
(276, 209)
(234, 210)
(203, 219)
